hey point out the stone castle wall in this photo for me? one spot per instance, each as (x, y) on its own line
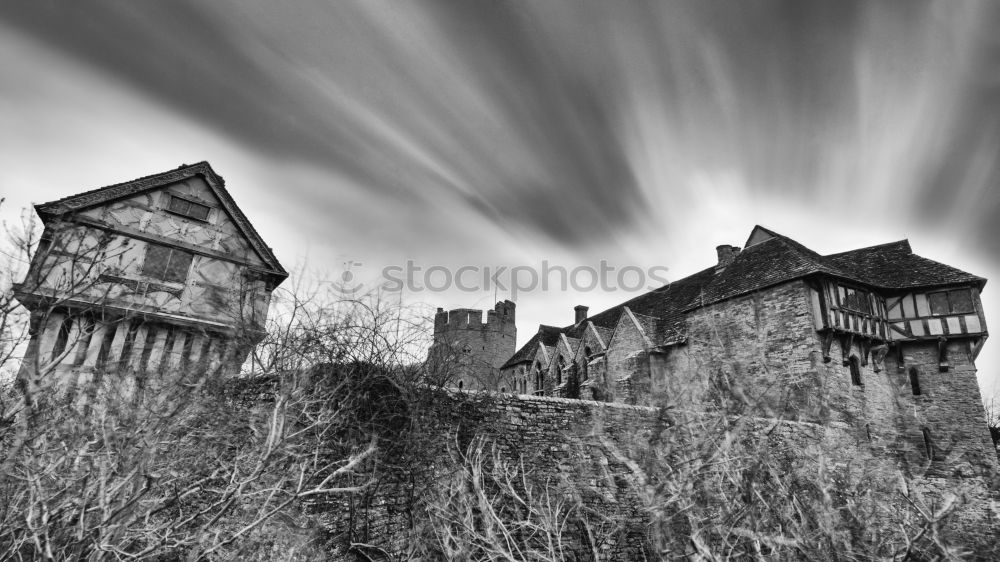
(587, 452)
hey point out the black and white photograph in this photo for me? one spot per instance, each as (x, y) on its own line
(499, 280)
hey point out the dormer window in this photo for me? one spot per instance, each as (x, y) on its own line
(188, 208)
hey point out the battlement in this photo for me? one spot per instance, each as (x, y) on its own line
(501, 318)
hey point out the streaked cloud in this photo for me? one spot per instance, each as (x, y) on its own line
(502, 130)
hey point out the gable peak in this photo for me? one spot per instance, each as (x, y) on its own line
(759, 234)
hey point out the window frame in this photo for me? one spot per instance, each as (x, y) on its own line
(190, 202)
(951, 310)
(842, 301)
(144, 271)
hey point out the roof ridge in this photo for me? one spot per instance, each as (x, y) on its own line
(121, 183)
(902, 241)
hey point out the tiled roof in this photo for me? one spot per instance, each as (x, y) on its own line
(109, 193)
(767, 263)
(572, 343)
(546, 335)
(667, 304)
(771, 260)
(895, 266)
(604, 333)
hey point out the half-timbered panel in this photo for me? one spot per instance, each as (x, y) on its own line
(854, 309)
(946, 312)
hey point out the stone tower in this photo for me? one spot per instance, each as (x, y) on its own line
(467, 353)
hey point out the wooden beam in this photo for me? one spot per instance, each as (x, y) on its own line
(943, 354)
(827, 342)
(846, 343)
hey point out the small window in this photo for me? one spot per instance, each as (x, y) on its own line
(168, 264)
(855, 371)
(915, 381)
(928, 444)
(187, 208)
(951, 302)
(939, 303)
(460, 385)
(586, 352)
(856, 300)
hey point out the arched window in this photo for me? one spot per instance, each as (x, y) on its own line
(586, 352)
(538, 377)
(559, 370)
(855, 365)
(915, 381)
(460, 385)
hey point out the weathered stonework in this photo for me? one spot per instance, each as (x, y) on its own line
(467, 352)
(587, 451)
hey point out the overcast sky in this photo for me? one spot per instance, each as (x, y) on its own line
(496, 132)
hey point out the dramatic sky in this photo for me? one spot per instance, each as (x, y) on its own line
(500, 132)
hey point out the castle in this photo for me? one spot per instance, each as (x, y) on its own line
(878, 338)
(859, 365)
(159, 273)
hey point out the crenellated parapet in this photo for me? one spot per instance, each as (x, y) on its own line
(500, 319)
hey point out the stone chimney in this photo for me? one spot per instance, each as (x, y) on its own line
(580, 313)
(727, 254)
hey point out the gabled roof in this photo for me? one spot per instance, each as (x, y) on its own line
(602, 335)
(546, 335)
(104, 195)
(772, 260)
(769, 259)
(570, 343)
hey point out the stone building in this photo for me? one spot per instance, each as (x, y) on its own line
(467, 353)
(160, 273)
(878, 338)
